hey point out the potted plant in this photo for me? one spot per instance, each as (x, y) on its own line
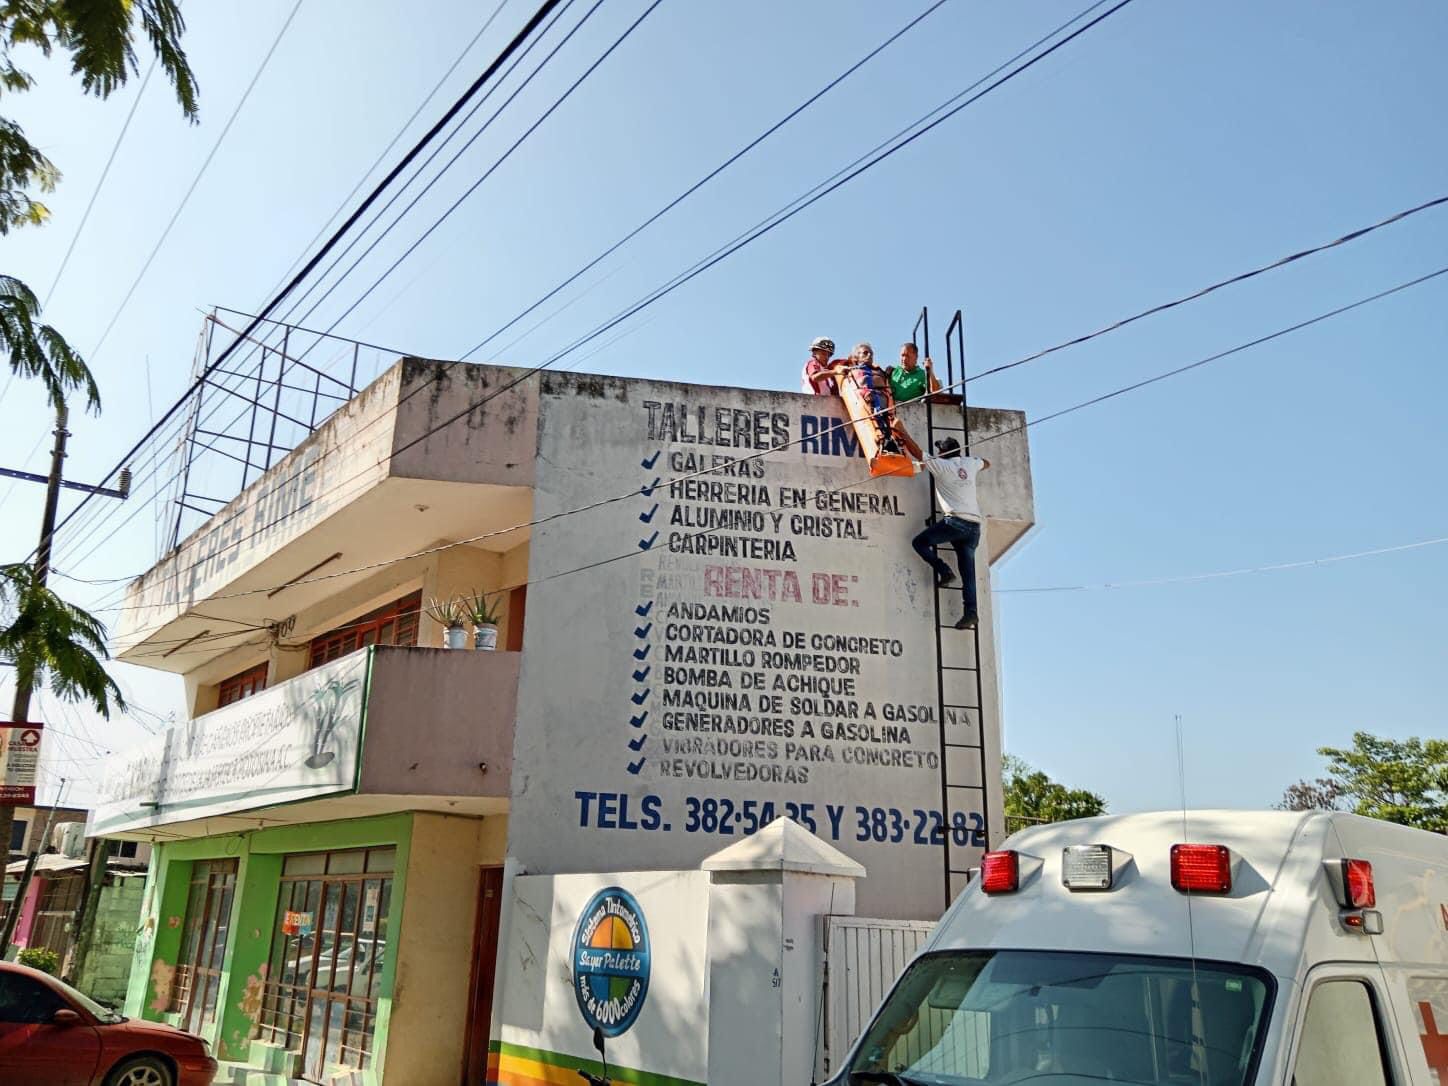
(452, 615)
(485, 611)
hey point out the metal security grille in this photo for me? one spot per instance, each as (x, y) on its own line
(58, 903)
(395, 624)
(203, 943)
(863, 958)
(324, 976)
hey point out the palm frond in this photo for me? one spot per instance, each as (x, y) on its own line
(49, 640)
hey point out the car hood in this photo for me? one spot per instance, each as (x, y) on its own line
(157, 1030)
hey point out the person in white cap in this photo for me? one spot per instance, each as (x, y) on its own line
(959, 521)
(818, 379)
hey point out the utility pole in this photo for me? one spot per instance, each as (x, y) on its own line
(20, 709)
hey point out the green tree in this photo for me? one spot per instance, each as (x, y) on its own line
(100, 37)
(42, 636)
(1033, 798)
(51, 642)
(1403, 781)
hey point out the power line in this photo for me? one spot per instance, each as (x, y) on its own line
(637, 230)
(1074, 341)
(633, 494)
(818, 193)
(1152, 582)
(412, 202)
(100, 184)
(538, 16)
(837, 81)
(116, 316)
(397, 137)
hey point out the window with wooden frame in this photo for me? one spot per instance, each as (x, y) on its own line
(249, 682)
(394, 624)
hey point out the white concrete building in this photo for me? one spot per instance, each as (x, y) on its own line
(710, 616)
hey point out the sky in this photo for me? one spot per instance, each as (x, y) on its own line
(1169, 147)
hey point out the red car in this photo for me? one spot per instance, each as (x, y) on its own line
(52, 1035)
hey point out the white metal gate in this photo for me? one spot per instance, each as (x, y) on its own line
(862, 959)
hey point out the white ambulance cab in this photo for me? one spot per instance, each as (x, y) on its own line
(1252, 948)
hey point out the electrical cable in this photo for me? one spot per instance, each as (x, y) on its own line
(837, 182)
(191, 189)
(1074, 341)
(541, 13)
(397, 138)
(633, 494)
(1153, 582)
(413, 201)
(837, 81)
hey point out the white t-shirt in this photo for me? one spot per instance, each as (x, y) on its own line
(955, 478)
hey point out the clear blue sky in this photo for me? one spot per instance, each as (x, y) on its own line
(1171, 146)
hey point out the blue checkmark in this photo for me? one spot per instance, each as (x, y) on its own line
(641, 654)
(642, 632)
(638, 721)
(643, 609)
(642, 696)
(640, 676)
(648, 491)
(648, 517)
(634, 767)
(648, 464)
(645, 544)
(637, 744)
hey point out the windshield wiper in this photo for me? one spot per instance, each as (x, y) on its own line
(889, 1078)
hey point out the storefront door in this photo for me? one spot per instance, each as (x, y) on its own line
(203, 946)
(485, 963)
(329, 941)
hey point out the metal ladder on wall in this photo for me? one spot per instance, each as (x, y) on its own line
(958, 682)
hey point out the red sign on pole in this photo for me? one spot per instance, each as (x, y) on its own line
(19, 762)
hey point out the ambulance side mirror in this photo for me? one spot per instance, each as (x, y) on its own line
(598, 1040)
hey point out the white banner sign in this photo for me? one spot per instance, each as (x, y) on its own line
(297, 740)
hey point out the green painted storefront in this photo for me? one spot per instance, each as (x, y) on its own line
(250, 931)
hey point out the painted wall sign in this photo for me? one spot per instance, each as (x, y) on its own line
(19, 762)
(298, 494)
(611, 961)
(297, 740)
(760, 643)
(543, 1032)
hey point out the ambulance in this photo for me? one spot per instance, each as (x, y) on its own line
(1215, 948)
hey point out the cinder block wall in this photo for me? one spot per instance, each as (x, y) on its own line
(107, 968)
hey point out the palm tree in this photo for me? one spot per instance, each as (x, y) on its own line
(100, 36)
(37, 350)
(48, 640)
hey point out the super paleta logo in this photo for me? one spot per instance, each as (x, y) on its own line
(611, 953)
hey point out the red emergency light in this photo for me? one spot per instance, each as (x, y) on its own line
(1201, 869)
(1000, 872)
(1357, 876)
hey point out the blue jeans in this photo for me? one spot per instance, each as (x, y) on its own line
(964, 536)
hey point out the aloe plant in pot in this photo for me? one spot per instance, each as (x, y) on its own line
(485, 611)
(452, 615)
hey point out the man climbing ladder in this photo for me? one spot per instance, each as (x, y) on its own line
(959, 523)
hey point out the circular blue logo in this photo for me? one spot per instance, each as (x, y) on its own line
(611, 952)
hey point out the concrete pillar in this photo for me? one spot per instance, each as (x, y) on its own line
(767, 897)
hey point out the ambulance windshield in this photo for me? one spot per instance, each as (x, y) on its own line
(1013, 1016)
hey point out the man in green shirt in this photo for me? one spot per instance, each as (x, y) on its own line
(908, 381)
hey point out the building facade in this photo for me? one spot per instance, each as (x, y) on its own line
(708, 616)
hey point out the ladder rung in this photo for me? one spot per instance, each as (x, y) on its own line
(963, 746)
(976, 787)
(957, 667)
(953, 705)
